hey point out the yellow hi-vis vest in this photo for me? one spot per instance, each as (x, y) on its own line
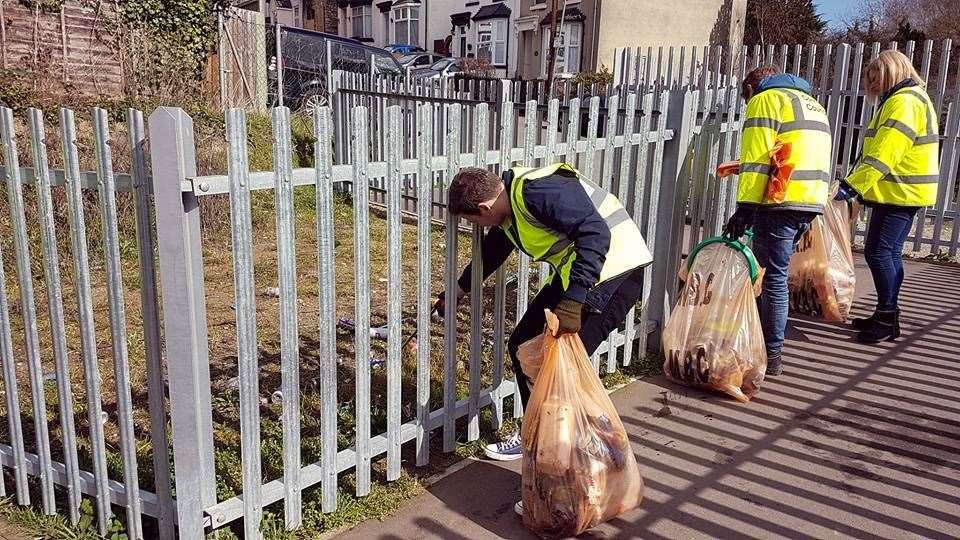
(627, 249)
(900, 164)
(794, 117)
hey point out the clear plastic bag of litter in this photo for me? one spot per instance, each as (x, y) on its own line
(578, 467)
(713, 339)
(821, 278)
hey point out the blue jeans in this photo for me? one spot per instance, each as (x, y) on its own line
(883, 249)
(775, 236)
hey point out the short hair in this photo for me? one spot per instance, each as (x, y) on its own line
(754, 78)
(470, 187)
(886, 70)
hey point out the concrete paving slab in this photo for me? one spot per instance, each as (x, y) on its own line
(852, 441)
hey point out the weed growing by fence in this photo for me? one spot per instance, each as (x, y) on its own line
(57, 526)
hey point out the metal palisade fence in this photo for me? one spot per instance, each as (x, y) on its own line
(59, 464)
(638, 144)
(431, 398)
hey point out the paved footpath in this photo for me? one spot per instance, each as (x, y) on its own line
(852, 441)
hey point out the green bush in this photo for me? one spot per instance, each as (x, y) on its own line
(589, 78)
(169, 40)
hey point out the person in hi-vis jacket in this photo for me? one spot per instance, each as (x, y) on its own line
(784, 180)
(593, 247)
(897, 173)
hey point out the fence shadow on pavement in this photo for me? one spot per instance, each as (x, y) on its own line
(852, 439)
(494, 489)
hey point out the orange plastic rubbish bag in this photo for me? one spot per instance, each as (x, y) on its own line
(779, 179)
(530, 355)
(713, 338)
(821, 276)
(728, 168)
(578, 467)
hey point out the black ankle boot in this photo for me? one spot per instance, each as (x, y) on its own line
(864, 323)
(884, 326)
(774, 365)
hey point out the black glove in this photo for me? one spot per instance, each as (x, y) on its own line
(568, 315)
(845, 192)
(739, 222)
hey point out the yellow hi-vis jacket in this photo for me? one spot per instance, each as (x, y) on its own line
(627, 249)
(789, 116)
(900, 164)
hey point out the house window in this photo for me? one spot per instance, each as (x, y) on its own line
(459, 41)
(484, 39)
(406, 22)
(361, 18)
(492, 41)
(569, 39)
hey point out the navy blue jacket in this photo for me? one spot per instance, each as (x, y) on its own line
(564, 207)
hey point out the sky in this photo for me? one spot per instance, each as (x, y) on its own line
(835, 12)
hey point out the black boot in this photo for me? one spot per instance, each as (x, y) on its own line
(885, 326)
(774, 365)
(863, 324)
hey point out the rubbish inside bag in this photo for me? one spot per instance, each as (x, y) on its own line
(821, 276)
(578, 467)
(713, 338)
(530, 355)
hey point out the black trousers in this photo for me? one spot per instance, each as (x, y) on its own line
(595, 326)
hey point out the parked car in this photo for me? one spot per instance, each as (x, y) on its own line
(419, 60)
(401, 50)
(443, 68)
(304, 61)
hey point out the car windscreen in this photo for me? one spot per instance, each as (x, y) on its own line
(441, 64)
(302, 52)
(385, 64)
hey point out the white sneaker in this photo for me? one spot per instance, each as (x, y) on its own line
(507, 450)
(518, 508)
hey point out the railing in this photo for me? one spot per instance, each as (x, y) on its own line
(76, 187)
(640, 149)
(626, 158)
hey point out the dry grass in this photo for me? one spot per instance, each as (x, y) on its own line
(222, 336)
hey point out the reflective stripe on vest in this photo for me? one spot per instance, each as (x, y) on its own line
(915, 178)
(793, 117)
(627, 249)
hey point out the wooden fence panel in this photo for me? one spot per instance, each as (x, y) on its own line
(240, 62)
(70, 45)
